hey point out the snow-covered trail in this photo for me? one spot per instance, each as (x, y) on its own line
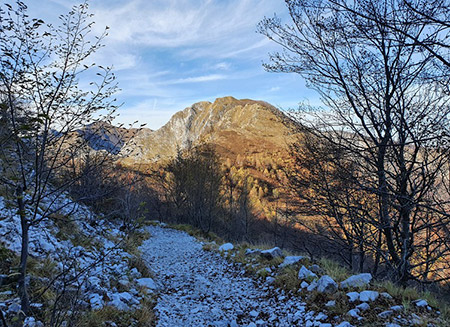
(200, 288)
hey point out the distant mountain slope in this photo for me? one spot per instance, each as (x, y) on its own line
(235, 127)
(103, 136)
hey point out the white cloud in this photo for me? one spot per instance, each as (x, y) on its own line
(194, 24)
(197, 79)
(222, 66)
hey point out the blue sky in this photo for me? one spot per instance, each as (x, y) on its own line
(169, 54)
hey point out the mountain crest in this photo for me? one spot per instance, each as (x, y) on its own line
(231, 124)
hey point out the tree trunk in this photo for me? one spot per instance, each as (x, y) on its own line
(23, 287)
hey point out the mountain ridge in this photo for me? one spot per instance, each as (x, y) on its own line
(238, 126)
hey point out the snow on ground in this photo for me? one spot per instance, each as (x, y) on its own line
(200, 288)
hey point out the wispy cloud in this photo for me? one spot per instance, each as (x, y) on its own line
(197, 79)
(168, 54)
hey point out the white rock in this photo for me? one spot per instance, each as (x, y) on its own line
(345, 324)
(386, 314)
(312, 286)
(366, 296)
(421, 303)
(260, 323)
(354, 313)
(272, 253)
(252, 324)
(353, 296)
(96, 301)
(326, 325)
(270, 280)
(359, 280)
(305, 273)
(397, 308)
(254, 313)
(304, 284)
(321, 316)
(330, 304)
(387, 296)
(32, 322)
(326, 284)
(147, 282)
(14, 308)
(290, 260)
(363, 306)
(226, 247)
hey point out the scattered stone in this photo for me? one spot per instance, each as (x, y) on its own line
(317, 269)
(272, 253)
(312, 286)
(345, 324)
(234, 323)
(321, 316)
(354, 313)
(387, 296)
(421, 303)
(330, 304)
(254, 313)
(14, 308)
(32, 322)
(386, 314)
(366, 296)
(290, 260)
(326, 284)
(363, 306)
(252, 324)
(353, 296)
(359, 280)
(391, 324)
(304, 284)
(270, 280)
(147, 282)
(226, 247)
(397, 308)
(96, 301)
(305, 273)
(326, 325)
(261, 323)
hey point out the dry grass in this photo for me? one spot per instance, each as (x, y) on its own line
(142, 317)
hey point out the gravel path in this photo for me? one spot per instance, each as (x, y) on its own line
(200, 288)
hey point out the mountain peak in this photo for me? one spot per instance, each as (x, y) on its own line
(238, 126)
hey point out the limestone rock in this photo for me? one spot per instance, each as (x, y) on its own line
(226, 247)
(353, 296)
(305, 273)
(359, 280)
(272, 253)
(366, 296)
(326, 284)
(290, 260)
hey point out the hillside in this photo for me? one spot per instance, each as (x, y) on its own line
(235, 127)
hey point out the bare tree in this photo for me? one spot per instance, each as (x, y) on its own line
(44, 107)
(195, 181)
(388, 97)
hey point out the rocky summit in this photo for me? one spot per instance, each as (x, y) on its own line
(239, 127)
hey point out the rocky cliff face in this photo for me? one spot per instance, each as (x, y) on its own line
(233, 126)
